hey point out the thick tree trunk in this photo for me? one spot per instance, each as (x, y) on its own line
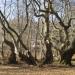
(29, 59)
(49, 54)
(66, 56)
(12, 59)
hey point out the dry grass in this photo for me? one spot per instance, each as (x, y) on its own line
(48, 70)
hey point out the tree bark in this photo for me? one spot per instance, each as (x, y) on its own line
(49, 54)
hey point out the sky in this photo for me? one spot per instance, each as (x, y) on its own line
(8, 6)
(13, 6)
(13, 1)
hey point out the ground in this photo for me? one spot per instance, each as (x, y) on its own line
(33, 70)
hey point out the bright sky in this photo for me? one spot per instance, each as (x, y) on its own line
(7, 8)
(13, 6)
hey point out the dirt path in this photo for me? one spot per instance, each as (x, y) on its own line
(11, 70)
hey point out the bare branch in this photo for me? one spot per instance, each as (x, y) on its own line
(69, 22)
(41, 15)
(43, 11)
(10, 29)
(37, 3)
(29, 3)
